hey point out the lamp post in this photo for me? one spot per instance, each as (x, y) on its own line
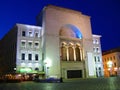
(109, 65)
(14, 70)
(46, 70)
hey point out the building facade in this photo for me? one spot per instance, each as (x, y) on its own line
(72, 54)
(97, 55)
(28, 58)
(111, 62)
(61, 45)
(22, 49)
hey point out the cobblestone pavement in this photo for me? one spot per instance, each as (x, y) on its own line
(112, 83)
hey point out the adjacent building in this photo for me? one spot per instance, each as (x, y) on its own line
(111, 62)
(97, 55)
(21, 50)
(61, 45)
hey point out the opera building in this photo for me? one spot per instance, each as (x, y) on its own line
(60, 45)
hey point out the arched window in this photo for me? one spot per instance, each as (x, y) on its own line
(63, 53)
(71, 54)
(77, 52)
(36, 69)
(70, 30)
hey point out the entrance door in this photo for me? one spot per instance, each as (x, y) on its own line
(74, 73)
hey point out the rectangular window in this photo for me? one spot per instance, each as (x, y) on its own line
(36, 34)
(114, 64)
(30, 33)
(23, 56)
(29, 56)
(99, 68)
(114, 57)
(94, 49)
(36, 44)
(97, 49)
(96, 41)
(110, 58)
(98, 59)
(23, 43)
(105, 59)
(36, 57)
(30, 44)
(23, 33)
(95, 58)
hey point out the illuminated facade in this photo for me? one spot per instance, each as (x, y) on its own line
(28, 58)
(22, 49)
(111, 62)
(68, 44)
(61, 45)
(97, 55)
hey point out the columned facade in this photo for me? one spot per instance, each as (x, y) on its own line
(67, 43)
(71, 51)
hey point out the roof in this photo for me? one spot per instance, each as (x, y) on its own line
(98, 36)
(111, 51)
(65, 9)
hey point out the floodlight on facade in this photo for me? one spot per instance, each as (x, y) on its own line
(47, 62)
(109, 64)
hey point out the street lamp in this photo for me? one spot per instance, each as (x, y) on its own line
(109, 64)
(15, 70)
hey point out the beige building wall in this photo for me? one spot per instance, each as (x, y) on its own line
(54, 19)
(112, 68)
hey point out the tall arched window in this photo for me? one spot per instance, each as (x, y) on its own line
(63, 53)
(77, 52)
(71, 54)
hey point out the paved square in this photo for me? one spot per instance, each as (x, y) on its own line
(112, 83)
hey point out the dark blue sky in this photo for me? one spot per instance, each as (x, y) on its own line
(105, 16)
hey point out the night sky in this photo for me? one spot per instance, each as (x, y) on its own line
(105, 16)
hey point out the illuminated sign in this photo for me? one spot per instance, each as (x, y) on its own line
(25, 70)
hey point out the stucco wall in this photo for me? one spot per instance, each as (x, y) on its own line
(54, 19)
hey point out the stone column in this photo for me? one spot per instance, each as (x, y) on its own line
(81, 54)
(67, 53)
(74, 53)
